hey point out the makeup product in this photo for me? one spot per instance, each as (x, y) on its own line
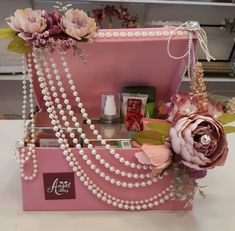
(147, 90)
(110, 108)
(133, 110)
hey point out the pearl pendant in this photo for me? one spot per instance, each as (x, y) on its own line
(205, 140)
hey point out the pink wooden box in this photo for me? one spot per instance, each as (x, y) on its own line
(115, 59)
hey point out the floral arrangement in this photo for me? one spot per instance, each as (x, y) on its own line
(190, 141)
(108, 13)
(62, 29)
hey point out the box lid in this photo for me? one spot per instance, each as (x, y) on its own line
(124, 57)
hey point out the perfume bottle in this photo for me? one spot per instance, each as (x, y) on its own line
(110, 108)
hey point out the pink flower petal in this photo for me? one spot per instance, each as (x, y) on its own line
(142, 158)
(157, 154)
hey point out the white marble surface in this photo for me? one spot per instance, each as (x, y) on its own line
(217, 212)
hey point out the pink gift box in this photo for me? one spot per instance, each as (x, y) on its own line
(116, 58)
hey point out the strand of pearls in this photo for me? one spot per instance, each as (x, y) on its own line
(75, 140)
(150, 202)
(24, 100)
(193, 27)
(187, 53)
(138, 34)
(202, 38)
(92, 126)
(31, 153)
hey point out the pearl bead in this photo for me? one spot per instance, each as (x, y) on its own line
(84, 157)
(97, 170)
(124, 184)
(99, 137)
(79, 130)
(98, 157)
(86, 141)
(71, 163)
(123, 173)
(93, 167)
(81, 151)
(122, 160)
(205, 140)
(117, 171)
(78, 146)
(77, 99)
(112, 169)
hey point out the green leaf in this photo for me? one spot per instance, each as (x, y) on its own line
(18, 45)
(149, 137)
(7, 33)
(229, 129)
(227, 118)
(162, 127)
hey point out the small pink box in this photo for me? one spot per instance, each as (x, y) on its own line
(115, 59)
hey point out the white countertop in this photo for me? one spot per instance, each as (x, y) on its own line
(215, 213)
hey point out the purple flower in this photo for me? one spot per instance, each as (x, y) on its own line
(198, 174)
(53, 22)
(183, 104)
(98, 15)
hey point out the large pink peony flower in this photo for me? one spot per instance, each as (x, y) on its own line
(159, 156)
(183, 104)
(78, 25)
(200, 141)
(28, 21)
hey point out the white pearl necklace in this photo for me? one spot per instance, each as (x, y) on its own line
(89, 122)
(31, 153)
(99, 193)
(191, 27)
(93, 151)
(137, 34)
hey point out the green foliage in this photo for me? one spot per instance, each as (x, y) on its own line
(229, 129)
(226, 118)
(7, 33)
(184, 186)
(149, 137)
(18, 45)
(162, 127)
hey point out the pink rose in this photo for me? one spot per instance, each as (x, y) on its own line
(200, 141)
(159, 156)
(183, 104)
(28, 21)
(78, 25)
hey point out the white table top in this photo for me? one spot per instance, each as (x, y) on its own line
(216, 212)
